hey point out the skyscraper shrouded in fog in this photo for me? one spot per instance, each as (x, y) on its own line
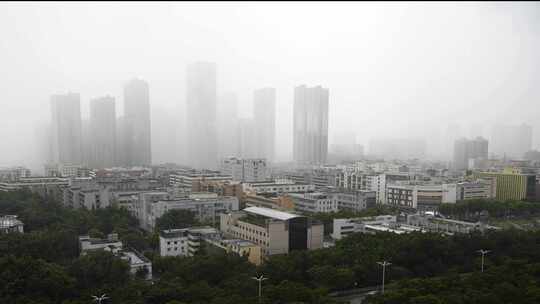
(511, 141)
(228, 126)
(465, 149)
(264, 114)
(201, 115)
(136, 147)
(310, 125)
(102, 132)
(66, 133)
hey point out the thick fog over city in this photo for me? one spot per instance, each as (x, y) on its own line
(420, 73)
(270, 152)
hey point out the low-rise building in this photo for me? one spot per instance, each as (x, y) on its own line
(355, 200)
(10, 224)
(88, 244)
(372, 224)
(184, 242)
(206, 206)
(277, 187)
(276, 232)
(250, 250)
(43, 186)
(280, 202)
(190, 179)
(423, 197)
(511, 184)
(138, 263)
(14, 173)
(245, 170)
(314, 202)
(443, 225)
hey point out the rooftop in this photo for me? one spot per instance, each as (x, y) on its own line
(271, 213)
(9, 221)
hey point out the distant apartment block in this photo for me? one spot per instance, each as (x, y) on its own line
(466, 150)
(245, 170)
(264, 116)
(310, 125)
(136, 149)
(14, 173)
(66, 133)
(190, 179)
(277, 186)
(355, 200)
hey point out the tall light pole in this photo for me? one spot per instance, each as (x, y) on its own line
(260, 279)
(101, 298)
(483, 253)
(383, 264)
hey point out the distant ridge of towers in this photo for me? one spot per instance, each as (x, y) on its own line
(106, 140)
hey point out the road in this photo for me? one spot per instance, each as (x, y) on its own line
(355, 296)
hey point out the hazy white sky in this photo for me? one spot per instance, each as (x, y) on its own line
(393, 69)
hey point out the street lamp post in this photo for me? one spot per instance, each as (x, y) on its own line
(260, 279)
(383, 264)
(100, 298)
(483, 253)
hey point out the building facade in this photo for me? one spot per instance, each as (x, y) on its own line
(310, 125)
(66, 133)
(136, 130)
(245, 170)
(102, 132)
(276, 232)
(201, 115)
(264, 114)
(314, 202)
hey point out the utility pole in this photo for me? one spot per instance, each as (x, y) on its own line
(99, 299)
(383, 264)
(483, 253)
(260, 279)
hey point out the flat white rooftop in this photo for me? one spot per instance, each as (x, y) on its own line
(271, 213)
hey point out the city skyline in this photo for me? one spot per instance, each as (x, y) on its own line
(375, 92)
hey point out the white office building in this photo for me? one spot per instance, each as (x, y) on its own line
(314, 202)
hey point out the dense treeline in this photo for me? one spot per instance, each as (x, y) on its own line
(43, 266)
(514, 282)
(480, 209)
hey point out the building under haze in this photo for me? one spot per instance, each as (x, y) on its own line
(310, 125)
(201, 115)
(511, 141)
(66, 133)
(264, 115)
(136, 141)
(465, 149)
(102, 132)
(228, 126)
(247, 134)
